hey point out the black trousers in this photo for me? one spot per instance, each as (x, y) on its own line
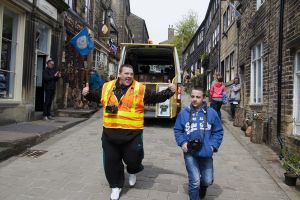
(233, 109)
(49, 96)
(131, 153)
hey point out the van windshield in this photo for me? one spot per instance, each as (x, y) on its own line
(151, 64)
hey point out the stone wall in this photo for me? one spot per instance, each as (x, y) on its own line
(262, 25)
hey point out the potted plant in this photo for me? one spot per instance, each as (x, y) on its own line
(291, 164)
(205, 59)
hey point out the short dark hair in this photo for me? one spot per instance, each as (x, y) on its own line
(237, 78)
(125, 65)
(49, 61)
(198, 89)
(220, 78)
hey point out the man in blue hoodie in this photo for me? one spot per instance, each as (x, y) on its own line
(199, 132)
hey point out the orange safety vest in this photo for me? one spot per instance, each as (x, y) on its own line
(130, 113)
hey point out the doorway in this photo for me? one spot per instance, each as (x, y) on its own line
(39, 88)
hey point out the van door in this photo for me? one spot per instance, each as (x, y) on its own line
(176, 81)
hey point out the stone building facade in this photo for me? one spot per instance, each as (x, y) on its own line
(259, 42)
(205, 40)
(269, 62)
(229, 42)
(31, 34)
(75, 67)
(139, 29)
(46, 27)
(95, 15)
(121, 12)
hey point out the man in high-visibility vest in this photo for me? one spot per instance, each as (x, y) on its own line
(123, 122)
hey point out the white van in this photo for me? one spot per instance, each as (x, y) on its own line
(155, 66)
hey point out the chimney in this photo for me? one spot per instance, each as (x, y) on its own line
(170, 32)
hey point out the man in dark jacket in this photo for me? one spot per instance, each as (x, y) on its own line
(123, 142)
(50, 76)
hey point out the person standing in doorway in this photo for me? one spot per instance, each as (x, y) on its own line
(50, 77)
(123, 102)
(199, 132)
(234, 96)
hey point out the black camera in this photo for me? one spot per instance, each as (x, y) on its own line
(194, 145)
(113, 109)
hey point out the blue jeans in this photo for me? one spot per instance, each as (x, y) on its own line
(200, 172)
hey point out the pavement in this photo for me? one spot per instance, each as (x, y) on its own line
(16, 138)
(72, 165)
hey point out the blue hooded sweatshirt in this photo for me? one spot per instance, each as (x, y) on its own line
(211, 135)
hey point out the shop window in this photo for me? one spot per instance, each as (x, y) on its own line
(8, 53)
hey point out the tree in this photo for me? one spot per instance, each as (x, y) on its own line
(184, 31)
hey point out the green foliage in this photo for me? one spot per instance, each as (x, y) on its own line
(204, 56)
(184, 31)
(291, 162)
(195, 81)
(188, 87)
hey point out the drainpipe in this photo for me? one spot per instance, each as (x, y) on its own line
(279, 75)
(219, 43)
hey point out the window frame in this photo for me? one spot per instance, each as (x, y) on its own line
(18, 51)
(232, 64)
(259, 3)
(225, 20)
(70, 3)
(227, 69)
(88, 11)
(296, 100)
(256, 92)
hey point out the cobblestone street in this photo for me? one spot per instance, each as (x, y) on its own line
(72, 169)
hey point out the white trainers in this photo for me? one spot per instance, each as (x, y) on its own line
(115, 193)
(132, 180)
(45, 118)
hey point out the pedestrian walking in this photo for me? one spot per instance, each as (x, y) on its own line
(123, 122)
(50, 77)
(234, 96)
(217, 91)
(215, 76)
(199, 132)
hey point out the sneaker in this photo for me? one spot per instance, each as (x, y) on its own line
(45, 118)
(50, 117)
(115, 193)
(132, 180)
(202, 191)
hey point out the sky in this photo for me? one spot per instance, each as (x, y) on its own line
(159, 14)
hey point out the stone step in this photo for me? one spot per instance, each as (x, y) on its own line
(75, 113)
(6, 152)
